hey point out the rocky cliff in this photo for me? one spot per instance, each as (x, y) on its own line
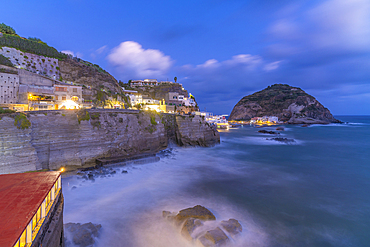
(85, 73)
(58, 138)
(289, 104)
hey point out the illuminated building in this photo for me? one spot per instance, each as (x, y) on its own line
(31, 209)
(67, 96)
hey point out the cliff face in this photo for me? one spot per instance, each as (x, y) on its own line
(289, 104)
(86, 74)
(59, 138)
(190, 131)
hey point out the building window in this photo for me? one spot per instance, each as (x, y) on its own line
(23, 239)
(75, 90)
(64, 98)
(74, 98)
(61, 89)
(56, 97)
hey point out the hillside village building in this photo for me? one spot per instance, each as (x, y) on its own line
(145, 82)
(64, 93)
(9, 86)
(149, 101)
(31, 209)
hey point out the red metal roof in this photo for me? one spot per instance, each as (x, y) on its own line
(21, 195)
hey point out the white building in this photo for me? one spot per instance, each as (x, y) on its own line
(135, 99)
(145, 82)
(150, 101)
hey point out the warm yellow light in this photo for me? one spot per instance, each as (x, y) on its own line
(62, 169)
(153, 107)
(70, 104)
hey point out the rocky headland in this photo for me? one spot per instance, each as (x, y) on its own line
(52, 139)
(290, 104)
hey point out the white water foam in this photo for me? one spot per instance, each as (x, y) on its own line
(129, 206)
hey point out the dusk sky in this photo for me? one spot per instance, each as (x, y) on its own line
(220, 50)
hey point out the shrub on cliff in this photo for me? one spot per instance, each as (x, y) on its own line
(83, 115)
(6, 29)
(5, 110)
(21, 121)
(5, 61)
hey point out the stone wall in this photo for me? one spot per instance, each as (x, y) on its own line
(60, 138)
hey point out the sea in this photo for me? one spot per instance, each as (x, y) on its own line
(313, 191)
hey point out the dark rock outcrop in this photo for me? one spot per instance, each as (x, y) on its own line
(290, 104)
(232, 226)
(189, 226)
(268, 132)
(195, 219)
(197, 212)
(282, 139)
(82, 235)
(215, 237)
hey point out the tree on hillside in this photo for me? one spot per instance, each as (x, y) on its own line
(36, 40)
(6, 29)
(175, 79)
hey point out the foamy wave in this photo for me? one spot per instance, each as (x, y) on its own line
(263, 141)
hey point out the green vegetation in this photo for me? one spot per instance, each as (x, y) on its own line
(96, 124)
(175, 79)
(5, 61)
(150, 129)
(152, 120)
(94, 66)
(30, 46)
(63, 115)
(5, 29)
(276, 97)
(21, 121)
(83, 115)
(36, 40)
(95, 116)
(5, 110)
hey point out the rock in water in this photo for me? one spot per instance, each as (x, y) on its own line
(280, 128)
(214, 237)
(281, 139)
(189, 227)
(83, 235)
(289, 104)
(197, 212)
(232, 226)
(268, 132)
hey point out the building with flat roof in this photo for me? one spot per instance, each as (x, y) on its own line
(67, 96)
(31, 209)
